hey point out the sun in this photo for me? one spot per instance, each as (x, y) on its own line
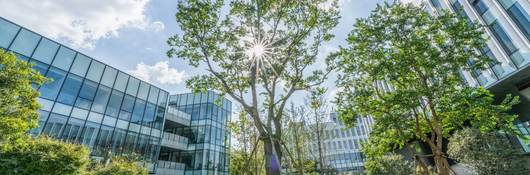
(259, 52)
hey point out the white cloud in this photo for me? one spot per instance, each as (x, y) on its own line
(160, 72)
(79, 22)
(158, 26)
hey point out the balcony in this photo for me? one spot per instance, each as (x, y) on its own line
(174, 141)
(178, 116)
(170, 168)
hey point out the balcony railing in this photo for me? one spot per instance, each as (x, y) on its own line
(178, 116)
(170, 168)
(174, 141)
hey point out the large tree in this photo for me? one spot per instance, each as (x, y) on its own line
(402, 68)
(258, 52)
(18, 99)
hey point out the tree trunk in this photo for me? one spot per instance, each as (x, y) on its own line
(272, 157)
(442, 165)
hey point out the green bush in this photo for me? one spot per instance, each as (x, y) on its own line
(121, 166)
(44, 156)
(391, 164)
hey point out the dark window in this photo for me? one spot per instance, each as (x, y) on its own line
(504, 39)
(138, 112)
(86, 95)
(521, 18)
(55, 124)
(480, 6)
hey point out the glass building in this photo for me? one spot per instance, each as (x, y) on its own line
(507, 25)
(113, 113)
(341, 146)
(203, 134)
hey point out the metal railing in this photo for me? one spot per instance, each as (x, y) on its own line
(170, 168)
(178, 116)
(174, 141)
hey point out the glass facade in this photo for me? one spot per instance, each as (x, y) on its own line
(207, 137)
(341, 146)
(507, 27)
(88, 102)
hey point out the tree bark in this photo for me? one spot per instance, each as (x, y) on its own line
(272, 157)
(441, 163)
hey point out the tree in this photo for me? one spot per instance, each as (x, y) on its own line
(121, 166)
(391, 164)
(402, 68)
(18, 99)
(317, 105)
(44, 155)
(245, 155)
(257, 46)
(486, 153)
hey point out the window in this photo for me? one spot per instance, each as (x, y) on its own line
(54, 125)
(518, 14)
(162, 98)
(72, 130)
(132, 86)
(71, 86)
(95, 71)
(149, 116)
(504, 39)
(102, 97)
(40, 67)
(143, 91)
(138, 112)
(153, 94)
(25, 42)
(113, 107)
(80, 65)
(118, 140)
(127, 107)
(480, 6)
(109, 76)
(7, 32)
(121, 81)
(90, 132)
(86, 95)
(46, 51)
(51, 89)
(64, 58)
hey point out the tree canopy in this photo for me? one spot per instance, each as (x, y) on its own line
(258, 52)
(403, 68)
(18, 99)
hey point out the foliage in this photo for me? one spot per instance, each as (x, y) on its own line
(402, 68)
(43, 156)
(121, 166)
(486, 153)
(18, 99)
(256, 47)
(246, 157)
(391, 164)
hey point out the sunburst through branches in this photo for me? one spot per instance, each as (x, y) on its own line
(260, 51)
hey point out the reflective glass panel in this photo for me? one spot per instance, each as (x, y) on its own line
(25, 42)
(121, 81)
(113, 107)
(138, 112)
(143, 91)
(95, 71)
(80, 65)
(109, 76)
(71, 86)
(54, 125)
(7, 32)
(102, 97)
(46, 51)
(132, 87)
(64, 58)
(51, 89)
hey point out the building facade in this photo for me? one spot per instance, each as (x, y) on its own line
(507, 25)
(113, 113)
(341, 146)
(203, 135)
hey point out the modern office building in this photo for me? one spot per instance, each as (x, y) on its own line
(341, 146)
(507, 25)
(204, 142)
(111, 112)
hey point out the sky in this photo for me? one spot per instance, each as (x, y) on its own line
(131, 34)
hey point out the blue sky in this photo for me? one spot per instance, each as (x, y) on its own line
(131, 34)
